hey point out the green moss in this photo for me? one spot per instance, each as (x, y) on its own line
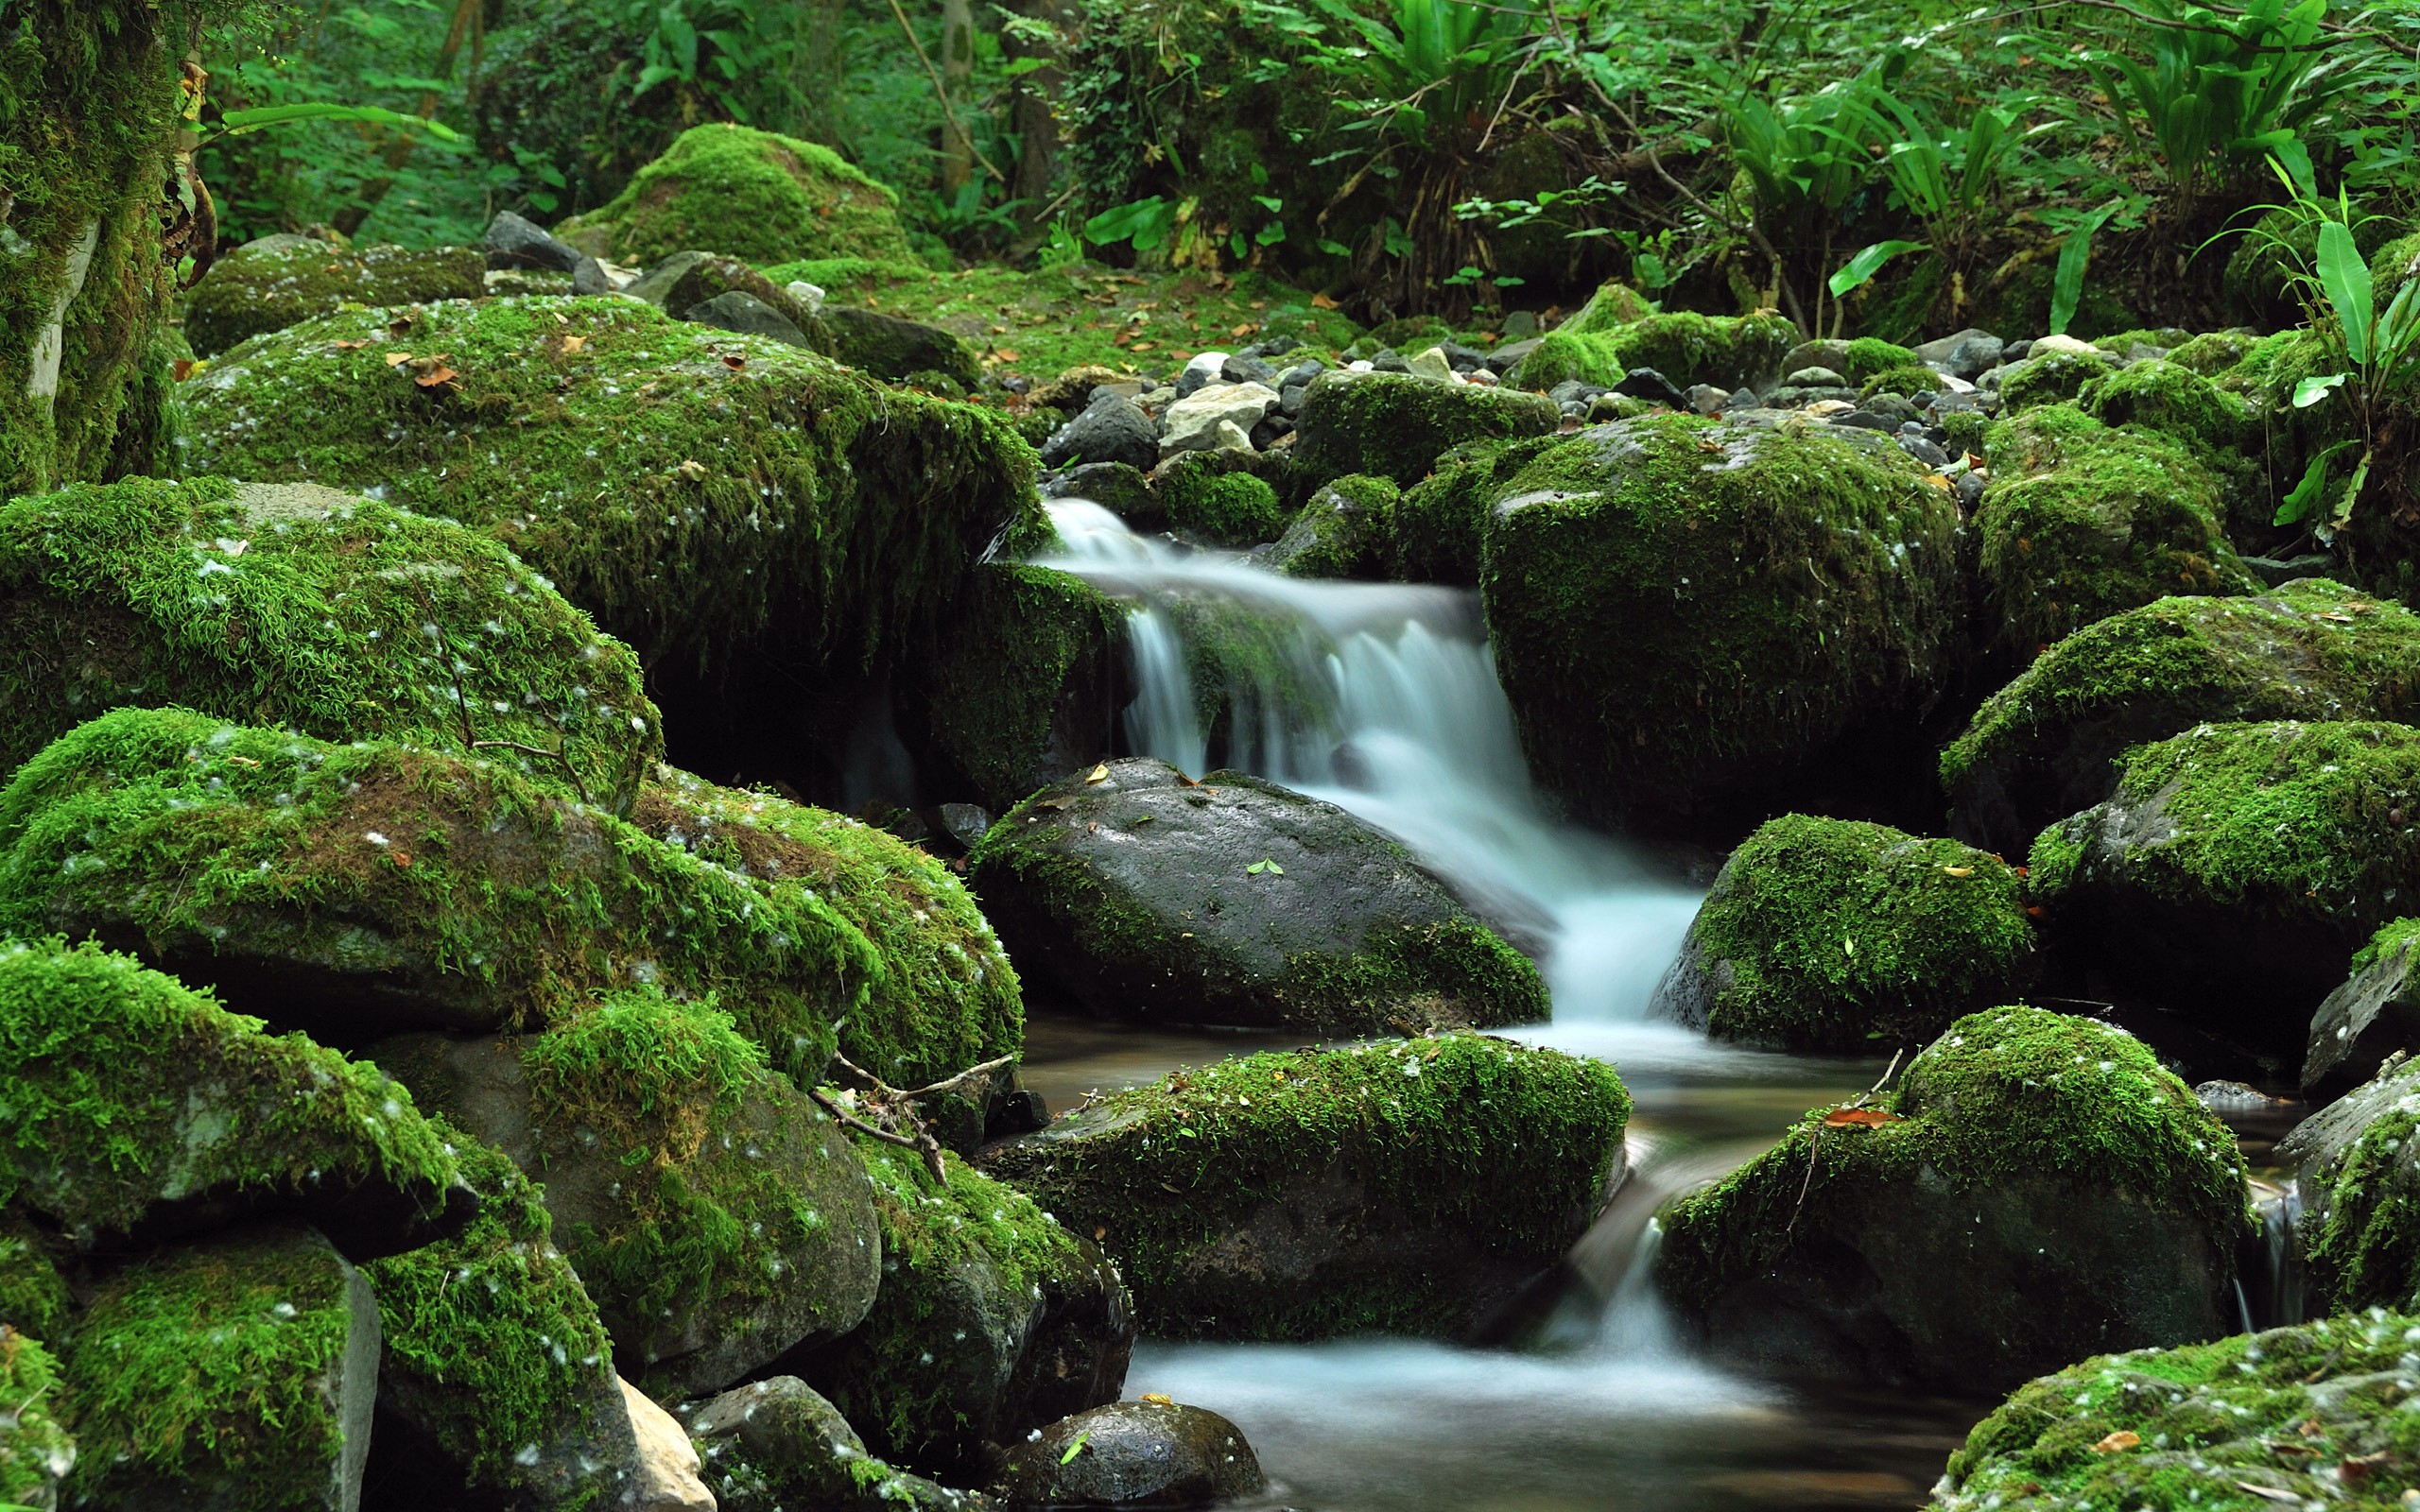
(1614, 303)
(2361, 1243)
(36, 1451)
(487, 900)
(95, 1140)
(1411, 334)
(1228, 506)
(2172, 399)
(1966, 429)
(2081, 522)
(2007, 1093)
(342, 617)
(2213, 352)
(1869, 357)
(1830, 934)
(769, 199)
(1025, 637)
(945, 996)
(1502, 1147)
(280, 281)
(1904, 381)
(689, 505)
(1395, 426)
(1441, 521)
(1564, 355)
(2205, 1423)
(2051, 377)
(492, 1344)
(1677, 606)
(1725, 351)
(1345, 530)
(33, 1294)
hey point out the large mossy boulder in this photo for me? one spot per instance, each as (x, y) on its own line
(2039, 1188)
(496, 1377)
(2081, 522)
(716, 1215)
(777, 1444)
(1151, 1453)
(2175, 401)
(2356, 1176)
(1684, 613)
(748, 194)
(2370, 1020)
(1599, 346)
(138, 1108)
(2237, 867)
(288, 604)
(241, 1371)
(902, 351)
(358, 891)
(1394, 427)
(943, 996)
(690, 501)
(992, 1321)
(1234, 901)
(1441, 523)
(1408, 1186)
(1345, 530)
(1844, 936)
(2047, 744)
(1026, 686)
(284, 280)
(2315, 1415)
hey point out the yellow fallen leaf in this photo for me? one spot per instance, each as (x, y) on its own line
(1321, 302)
(396, 359)
(1159, 1399)
(1960, 872)
(1099, 774)
(2123, 1438)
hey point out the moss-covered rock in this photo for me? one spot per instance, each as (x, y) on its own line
(1870, 358)
(2213, 351)
(282, 281)
(496, 1377)
(716, 1215)
(238, 1372)
(1841, 935)
(361, 890)
(1345, 530)
(776, 1444)
(1224, 505)
(342, 617)
(1235, 900)
(2038, 1188)
(748, 194)
(2310, 1415)
(2358, 1177)
(1684, 611)
(993, 1320)
(905, 350)
(139, 1108)
(36, 1450)
(2081, 522)
(1394, 427)
(2374, 1017)
(2236, 869)
(1905, 382)
(1403, 1187)
(2174, 400)
(2047, 744)
(1152, 1454)
(943, 996)
(689, 503)
(2052, 378)
(1729, 352)
(1440, 521)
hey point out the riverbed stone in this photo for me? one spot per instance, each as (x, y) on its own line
(715, 1215)
(237, 1372)
(1133, 1455)
(678, 283)
(2237, 867)
(1406, 1186)
(2038, 1188)
(1220, 497)
(1195, 421)
(904, 350)
(2047, 744)
(1394, 427)
(1110, 428)
(1660, 663)
(2375, 1015)
(776, 1444)
(1840, 934)
(283, 280)
(1681, 348)
(1234, 901)
(2357, 1174)
(1346, 529)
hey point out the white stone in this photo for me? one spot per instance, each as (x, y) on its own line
(1208, 363)
(1191, 424)
(665, 1477)
(807, 294)
(2044, 345)
(1432, 365)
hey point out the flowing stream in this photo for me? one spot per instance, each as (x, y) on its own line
(1382, 698)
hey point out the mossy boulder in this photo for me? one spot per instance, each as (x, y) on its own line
(2213, 351)
(2356, 1174)
(2053, 377)
(1846, 936)
(2038, 1188)
(993, 1320)
(1905, 382)
(2374, 1017)
(1683, 613)
(776, 1444)
(1394, 427)
(689, 502)
(288, 604)
(138, 1108)
(1440, 521)
(1346, 529)
(1408, 1186)
(943, 996)
(282, 281)
(1868, 357)
(237, 1372)
(496, 1377)
(1156, 1453)
(1729, 352)
(716, 1215)
(906, 350)
(2311, 1414)
(36, 1450)
(2237, 867)
(2174, 400)
(748, 194)
(357, 891)
(1234, 901)
(2082, 521)
(1206, 495)
(2047, 744)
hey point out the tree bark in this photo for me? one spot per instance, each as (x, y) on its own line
(958, 78)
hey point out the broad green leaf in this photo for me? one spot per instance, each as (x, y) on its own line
(1075, 1448)
(2345, 275)
(2304, 501)
(1861, 268)
(2309, 391)
(2067, 284)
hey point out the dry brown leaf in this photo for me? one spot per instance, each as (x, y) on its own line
(1321, 302)
(438, 374)
(733, 361)
(183, 369)
(2123, 1438)
(351, 346)
(1006, 354)
(571, 344)
(2268, 1493)
(396, 359)
(1241, 331)
(693, 470)
(1859, 1118)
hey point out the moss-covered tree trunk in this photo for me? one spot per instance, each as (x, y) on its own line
(92, 99)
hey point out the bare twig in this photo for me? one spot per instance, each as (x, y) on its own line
(1815, 1140)
(557, 756)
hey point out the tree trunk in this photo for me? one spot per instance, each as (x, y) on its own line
(957, 79)
(1037, 166)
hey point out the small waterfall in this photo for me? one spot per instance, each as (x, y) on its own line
(1382, 698)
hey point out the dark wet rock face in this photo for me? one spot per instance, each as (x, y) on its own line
(1133, 1455)
(776, 1444)
(1234, 901)
(2375, 1015)
(2357, 1165)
